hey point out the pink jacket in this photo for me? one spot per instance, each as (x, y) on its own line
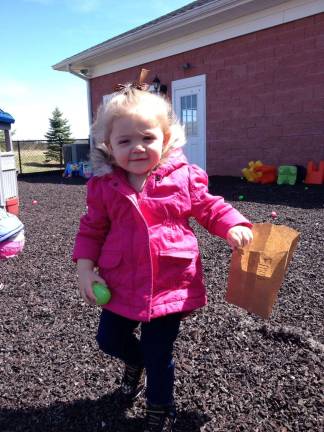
(142, 242)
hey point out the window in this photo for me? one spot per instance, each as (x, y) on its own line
(189, 114)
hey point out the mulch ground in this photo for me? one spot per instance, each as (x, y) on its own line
(235, 371)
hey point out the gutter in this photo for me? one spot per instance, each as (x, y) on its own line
(83, 75)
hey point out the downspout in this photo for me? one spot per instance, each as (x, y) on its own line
(85, 78)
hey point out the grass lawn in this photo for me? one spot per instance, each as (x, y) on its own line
(34, 161)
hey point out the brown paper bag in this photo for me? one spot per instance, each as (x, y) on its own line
(257, 271)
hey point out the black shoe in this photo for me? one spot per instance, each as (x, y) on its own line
(160, 418)
(133, 382)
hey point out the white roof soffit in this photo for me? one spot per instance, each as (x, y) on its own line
(162, 31)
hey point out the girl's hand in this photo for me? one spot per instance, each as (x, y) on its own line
(239, 236)
(86, 278)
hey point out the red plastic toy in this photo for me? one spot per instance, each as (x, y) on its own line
(314, 176)
(268, 174)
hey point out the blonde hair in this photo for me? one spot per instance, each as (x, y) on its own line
(132, 101)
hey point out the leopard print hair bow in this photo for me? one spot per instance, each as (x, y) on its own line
(138, 85)
(125, 88)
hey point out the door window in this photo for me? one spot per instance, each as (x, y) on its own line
(188, 116)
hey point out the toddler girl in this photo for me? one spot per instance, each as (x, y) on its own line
(137, 233)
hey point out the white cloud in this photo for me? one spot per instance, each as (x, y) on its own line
(13, 89)
(32, 105)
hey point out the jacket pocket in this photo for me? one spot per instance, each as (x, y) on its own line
(110, 259)
(110, 268)
(186, 255)
(176, 269)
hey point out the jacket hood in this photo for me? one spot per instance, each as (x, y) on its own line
(174, 161)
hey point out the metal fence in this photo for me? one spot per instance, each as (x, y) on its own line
(31, 156)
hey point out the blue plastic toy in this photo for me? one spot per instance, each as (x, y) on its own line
(82, 169)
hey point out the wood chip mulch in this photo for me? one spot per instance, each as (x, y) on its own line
(235, 371)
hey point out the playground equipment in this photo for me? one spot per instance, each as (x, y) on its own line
(287, 174)
(250, 173)
(86, 169)
(313, 175)
(12, 237)
(268, 174)
(82, 169)
(71, 169)
(8, 176)
(13, 246)
(257, 172)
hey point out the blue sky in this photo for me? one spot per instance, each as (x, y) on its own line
(36, 34)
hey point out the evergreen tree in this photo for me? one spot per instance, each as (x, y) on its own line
(59, 133)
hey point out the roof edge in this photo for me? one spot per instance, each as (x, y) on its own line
(157, 27)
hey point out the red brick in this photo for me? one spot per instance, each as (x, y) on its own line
(302, 118)
(273, 108)
(315, 128)
(314, 30)
(265, 52)
(241, 59)
(290, 35)
(292, 83)
(318, 143)
(319, 42)
(224, 74)
(268, 35)
(314, 105)
(292, 107)
(319, 18)
(297, 59)
(304, 22)
(304, 44)
(284, 73)
(215, 62)
(297, 94)
(316, 78)
(283, 50)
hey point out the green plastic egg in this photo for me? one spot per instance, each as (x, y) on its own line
(101, 292)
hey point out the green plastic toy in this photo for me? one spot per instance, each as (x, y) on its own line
(287, 174)
(101, 292)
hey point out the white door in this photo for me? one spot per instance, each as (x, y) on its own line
(189, 104)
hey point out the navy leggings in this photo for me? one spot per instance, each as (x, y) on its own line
(153, 350)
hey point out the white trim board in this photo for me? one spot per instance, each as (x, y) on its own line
(289, 11)
(190, 84)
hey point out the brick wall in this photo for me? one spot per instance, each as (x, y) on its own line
(265, 94)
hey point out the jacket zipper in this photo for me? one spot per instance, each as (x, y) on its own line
(135, 203)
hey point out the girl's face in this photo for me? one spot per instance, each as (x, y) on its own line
(136, 143)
